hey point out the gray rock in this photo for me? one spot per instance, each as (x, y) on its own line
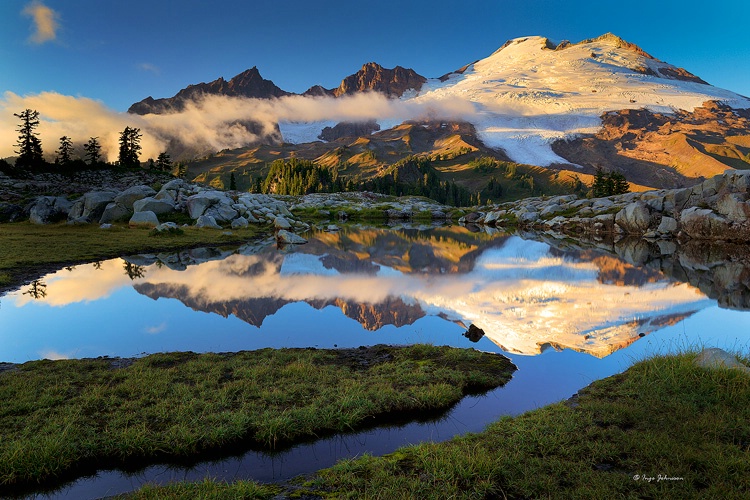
(166, 227)
(43, 211)
(105, 226)
(239, 222)
(207, 222)
(714, 358)
(702, 223)
(225, 213)
(10, 212)
(285, 237)
(528, 217)
(76, 210)
(113, 212)
(550, 210)
(144, 219)
(95, 202)
(667, 226)
(634, 218)
(133, 194)
(281, 223)
(79, 221)
(199, 203)
(149, 204)
(734, 207)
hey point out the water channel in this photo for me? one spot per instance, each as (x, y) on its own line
(566, 315)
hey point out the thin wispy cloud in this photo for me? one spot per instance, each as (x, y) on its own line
(45, 22)
(156, 329)
(149, 68)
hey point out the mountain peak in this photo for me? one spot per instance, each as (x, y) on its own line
(249, 83)
(374, 77)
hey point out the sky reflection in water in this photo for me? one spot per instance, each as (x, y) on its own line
(565, 319)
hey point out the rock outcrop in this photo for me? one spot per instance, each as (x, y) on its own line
(249, 83)
(373, 77)
(717, 209)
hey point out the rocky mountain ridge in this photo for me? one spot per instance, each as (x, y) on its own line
(249, 84)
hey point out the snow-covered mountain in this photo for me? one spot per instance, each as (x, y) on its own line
(600, 103)
(531, 92)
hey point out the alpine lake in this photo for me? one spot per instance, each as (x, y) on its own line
(566, 313)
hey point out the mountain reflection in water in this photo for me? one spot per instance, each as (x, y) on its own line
(525, 295)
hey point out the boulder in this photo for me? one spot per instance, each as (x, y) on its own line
(281, 223)
(113, 212)
(10, 212)
(733, 207)
(703, 223)
(197, 204)
(207, 222)
(714, 358)
(239, 222)
(46, 210)
(167, 227)
(285, 237)
(144, 219)
(667, 226)
(149, 204)
(95, 202)
(133, 194)
(634, 218)
(527, 217)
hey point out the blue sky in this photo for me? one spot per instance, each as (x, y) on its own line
(119, 52)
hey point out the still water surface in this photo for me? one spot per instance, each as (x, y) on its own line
(565, 317)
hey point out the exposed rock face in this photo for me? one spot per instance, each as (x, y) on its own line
(247, 84)
(144, 219)
(348, 129)
(47, 209)
(665, 150)
(373, 77)
(717, 209)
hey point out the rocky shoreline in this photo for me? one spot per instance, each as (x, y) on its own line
(718, 209)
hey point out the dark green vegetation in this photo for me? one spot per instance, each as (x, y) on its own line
(664, 429)
(31, 157)
(608, 184)
(455, 155)
(25, 246)
(663, 417)
(412, 176)
(59, 417)
(245, 490)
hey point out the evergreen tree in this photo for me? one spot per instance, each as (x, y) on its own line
(64, 151)
(232, 182)
(164, 162)
(29, 145)
(93, 150)
(130, 147)
(620, 185)
(181, 170)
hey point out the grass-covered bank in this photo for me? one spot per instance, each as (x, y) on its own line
(664, 429)
(64, 417)
(27, 248)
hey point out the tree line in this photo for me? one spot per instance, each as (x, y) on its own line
(298, 177)
(31, 155)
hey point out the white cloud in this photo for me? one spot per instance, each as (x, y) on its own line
(208, 124)
(45, 22)
(150, 68)
(156, 329)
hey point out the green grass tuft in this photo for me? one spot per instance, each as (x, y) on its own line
(61, 415)
(663, 417)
